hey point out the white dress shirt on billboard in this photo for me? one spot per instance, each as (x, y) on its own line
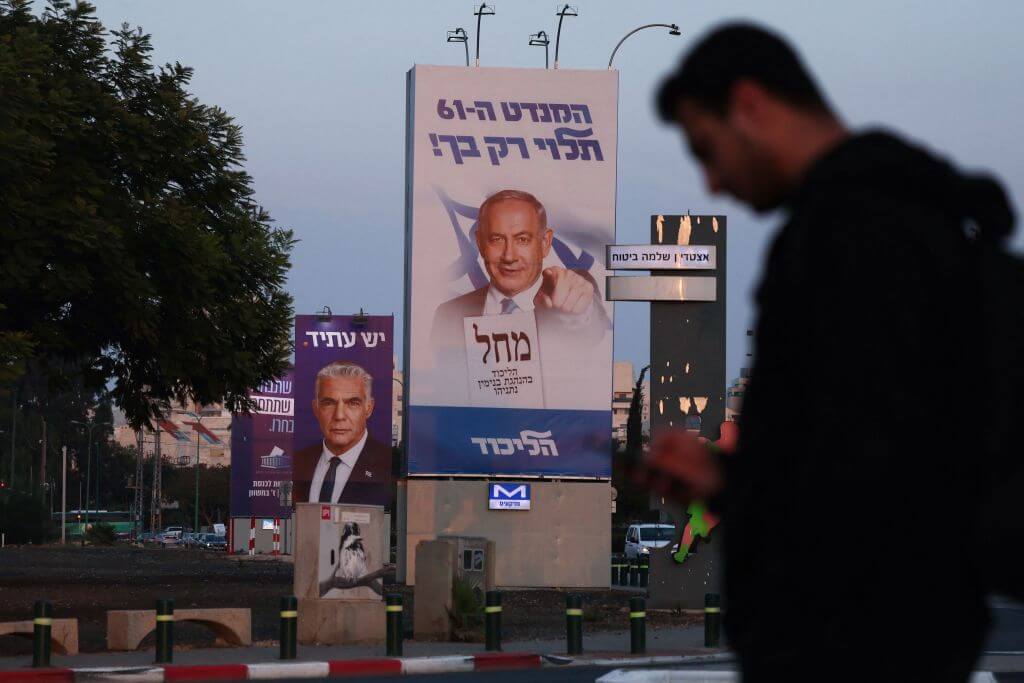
(341, 474)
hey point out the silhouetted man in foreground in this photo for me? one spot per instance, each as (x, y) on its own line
(850, 501)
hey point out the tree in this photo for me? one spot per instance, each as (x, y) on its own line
(133, 253)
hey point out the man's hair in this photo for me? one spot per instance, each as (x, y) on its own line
(341, 368)
(519, 195)
(732, 53)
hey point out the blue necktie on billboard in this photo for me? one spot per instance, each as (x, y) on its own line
(508, 306)
(327, 488)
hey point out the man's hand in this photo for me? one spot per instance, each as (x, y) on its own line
(566, 291)
(681, 466)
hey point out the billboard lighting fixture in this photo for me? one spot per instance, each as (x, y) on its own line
(360, 319)
(566, 11)
(459, 35)
(479, 13)
(540, 38)
(324, 314)
(673, 31)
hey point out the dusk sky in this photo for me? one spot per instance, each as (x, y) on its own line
(319, 89)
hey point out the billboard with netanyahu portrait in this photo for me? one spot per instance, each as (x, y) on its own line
(510, 204)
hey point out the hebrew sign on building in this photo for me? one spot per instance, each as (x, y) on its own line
(510, 204)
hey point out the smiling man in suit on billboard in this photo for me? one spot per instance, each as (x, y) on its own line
(348, 465)
(513, 238)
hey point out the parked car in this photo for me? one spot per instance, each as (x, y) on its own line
(642, 538)
(175, 531)
(169, 540)
(212, 542)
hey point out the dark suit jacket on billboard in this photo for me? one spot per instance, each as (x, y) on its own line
(448, 337)
(361, 489)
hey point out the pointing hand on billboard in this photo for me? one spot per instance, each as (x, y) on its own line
(566, 291)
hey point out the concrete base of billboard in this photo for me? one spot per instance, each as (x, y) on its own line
(563, 540)
(435, 570)
(340, 622)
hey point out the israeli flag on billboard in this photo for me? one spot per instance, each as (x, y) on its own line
(508, 496)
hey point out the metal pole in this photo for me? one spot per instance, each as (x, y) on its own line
(289, 619)
(14, 430)
(164, 631)
(41, 625)
(492, 616)
(573, 624)
(63, 492)
(195, 524)
(637, 626)
(393, 617)
(88, 474)
(42, 464)
(97, 502)
(465, 44)
(712, 619)
(558, 34)
(479, 17)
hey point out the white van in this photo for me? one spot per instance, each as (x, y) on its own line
(641, 538)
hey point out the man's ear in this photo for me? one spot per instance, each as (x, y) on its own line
(748, 105)
(370, 403)
(549, 235)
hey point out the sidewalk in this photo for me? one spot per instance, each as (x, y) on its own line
(669, 641)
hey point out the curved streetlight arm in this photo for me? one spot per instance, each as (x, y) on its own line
(674, 31)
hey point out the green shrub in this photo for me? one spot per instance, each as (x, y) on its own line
(24, 518)
(101, 533)
(467, 612)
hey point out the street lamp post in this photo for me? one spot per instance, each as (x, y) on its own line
(480, 12)
(459, 36)
(673, 31)
(538, 39)
(567, 11)
(88, 470)
(195, 522)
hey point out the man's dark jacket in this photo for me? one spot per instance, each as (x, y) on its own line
(368, 484)
(851, 503)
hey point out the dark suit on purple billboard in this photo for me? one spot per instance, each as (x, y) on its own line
(368, 484)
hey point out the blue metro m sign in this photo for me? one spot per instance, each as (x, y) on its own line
(508, 496)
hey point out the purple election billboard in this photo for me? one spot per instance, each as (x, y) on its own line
(343, 389)
(261, 452)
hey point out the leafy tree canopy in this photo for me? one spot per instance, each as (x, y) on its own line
(131, 248)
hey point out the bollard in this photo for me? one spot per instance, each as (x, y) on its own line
(492, 620)
(637, 626)
(645, 568)
(634, 572)
(393, 608)
(712, 619)
(289, 624)
(164, 631)
(615, 570)
(42, 623)
(573, 624)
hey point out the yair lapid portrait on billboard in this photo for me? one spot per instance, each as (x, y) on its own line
(343, 388)
(510, 205)
(261, 452)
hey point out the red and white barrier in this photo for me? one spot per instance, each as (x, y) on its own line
(252, 535)
(277, 536)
